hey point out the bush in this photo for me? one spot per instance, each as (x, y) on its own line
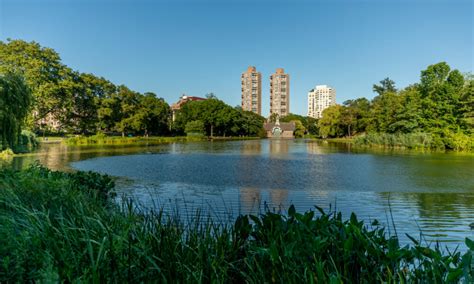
(6, 154)
(28, 140)
(457, 141)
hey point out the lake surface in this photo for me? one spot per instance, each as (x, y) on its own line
(432, 193)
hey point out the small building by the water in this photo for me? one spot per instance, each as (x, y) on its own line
(279, 129)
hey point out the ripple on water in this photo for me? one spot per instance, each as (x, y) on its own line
(433, 193)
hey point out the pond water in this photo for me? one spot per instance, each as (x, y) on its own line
(428, 193)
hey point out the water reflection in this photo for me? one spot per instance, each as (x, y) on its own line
(250, 198)
(428, 191)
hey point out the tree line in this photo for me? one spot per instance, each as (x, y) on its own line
(212, 117)
(86, 104)
(80, 102)
(440, 106)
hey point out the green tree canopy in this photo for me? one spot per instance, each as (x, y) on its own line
(15, 101)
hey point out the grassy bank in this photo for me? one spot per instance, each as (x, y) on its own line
(152, 140)
(445, 141)
(62, 227)
(117, 140)
(415, 141)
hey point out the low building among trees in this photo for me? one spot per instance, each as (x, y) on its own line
(279, 130)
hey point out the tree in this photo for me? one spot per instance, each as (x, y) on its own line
(211, 113)
(386, 85)
(15, 102)
(273, 117)
(433, 76)
(312, 125)
(330, 123)
(440, 91)
(467, 106)
(195, 127)
(408, 118)
(382, 112)
(82, 114)
(44, 75)
(252, 124)
(299, 129)
(157, 114)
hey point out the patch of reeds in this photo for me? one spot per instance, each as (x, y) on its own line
(118, 140)
(445, 140)
(101, 139)
(58, 226)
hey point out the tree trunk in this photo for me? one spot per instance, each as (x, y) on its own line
(212, 131)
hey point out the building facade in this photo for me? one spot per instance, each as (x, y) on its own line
(320, 98)
(252, 90)
(280, 93)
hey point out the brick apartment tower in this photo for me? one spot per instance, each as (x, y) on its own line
(280, 93)
(252, 90)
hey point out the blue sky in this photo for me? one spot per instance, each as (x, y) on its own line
(197, 47)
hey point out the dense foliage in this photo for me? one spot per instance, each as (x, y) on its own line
(81, 103)
(304, 124)
(87, 104)
(62, 227)
(218, 119)
(15, 102)
(439, 107)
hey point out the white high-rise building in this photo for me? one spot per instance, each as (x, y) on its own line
(320, 98)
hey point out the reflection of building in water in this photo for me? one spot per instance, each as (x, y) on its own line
(278, 147)
(251, 148)
(249, 199)
(314, 148)
(279, 197)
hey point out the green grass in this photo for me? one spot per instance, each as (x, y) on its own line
(51, 139)
(338, 140)
(59, 226)
(117, 140)
(153, 140)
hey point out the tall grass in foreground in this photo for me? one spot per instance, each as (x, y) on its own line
(58, 226)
